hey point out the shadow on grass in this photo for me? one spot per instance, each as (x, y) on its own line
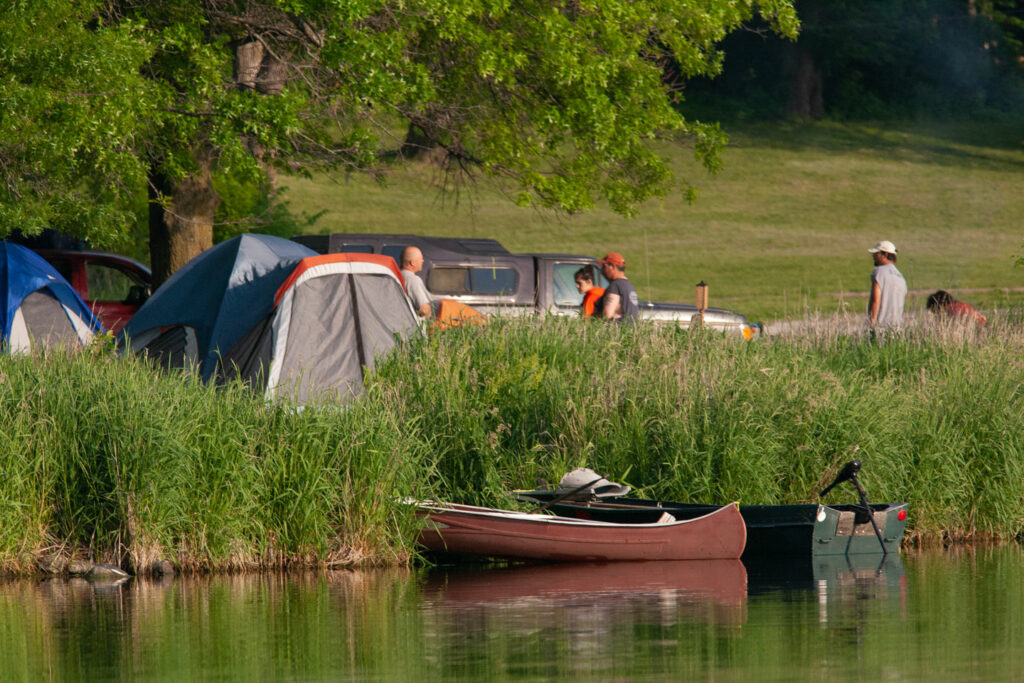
(997, 145)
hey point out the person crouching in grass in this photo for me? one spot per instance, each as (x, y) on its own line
(943, 303)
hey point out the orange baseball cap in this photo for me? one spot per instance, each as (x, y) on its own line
(614, 259)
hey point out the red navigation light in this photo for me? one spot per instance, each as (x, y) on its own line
(902, 515)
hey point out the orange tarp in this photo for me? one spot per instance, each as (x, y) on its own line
(451, 313)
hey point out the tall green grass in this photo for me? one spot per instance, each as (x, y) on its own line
(105, 458)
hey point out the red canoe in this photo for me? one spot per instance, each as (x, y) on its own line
(470, 530)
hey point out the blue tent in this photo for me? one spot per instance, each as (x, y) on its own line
(216, 298)
(39, 306)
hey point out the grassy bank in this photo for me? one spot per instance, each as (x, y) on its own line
(106, 459)
(781, 231)
(103, 459)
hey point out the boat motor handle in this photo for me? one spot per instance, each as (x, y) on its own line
(848, 472)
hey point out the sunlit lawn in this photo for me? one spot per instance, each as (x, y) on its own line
(781, 231)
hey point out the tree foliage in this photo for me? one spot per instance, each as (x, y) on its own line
(560, 98)
(73, 115)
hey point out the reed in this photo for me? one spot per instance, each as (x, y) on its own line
(107, 460)
(104, 458)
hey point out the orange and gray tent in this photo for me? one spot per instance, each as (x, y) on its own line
(273, 313)
(40, 307)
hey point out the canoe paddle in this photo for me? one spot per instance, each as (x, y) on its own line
(563, 496)
(849, 473)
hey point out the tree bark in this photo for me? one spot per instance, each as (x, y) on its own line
(418, 146)
(272, 76)
(248, 57)
(806, 99)
(180, 221)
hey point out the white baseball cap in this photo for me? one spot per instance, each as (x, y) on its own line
(885, 245)
(587, 481)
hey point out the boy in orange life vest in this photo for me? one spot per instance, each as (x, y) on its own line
(585, 285)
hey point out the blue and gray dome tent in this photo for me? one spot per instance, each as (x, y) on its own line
(278, 315)
(40, 308)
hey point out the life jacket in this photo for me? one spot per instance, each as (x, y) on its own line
(591, 299)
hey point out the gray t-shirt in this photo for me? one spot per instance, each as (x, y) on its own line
(628, 301)
(415, 288)
(893, 293)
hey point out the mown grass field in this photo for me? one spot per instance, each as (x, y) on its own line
(780, 232)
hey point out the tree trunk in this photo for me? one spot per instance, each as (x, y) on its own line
(248, 57)
(417, 146)
(806, 100)
(180, 221)
(272, 76)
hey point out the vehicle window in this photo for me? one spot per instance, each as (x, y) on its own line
(106, 283)
(462, 280)
(394, 251)
(492, 280)
(565, 285)
(448, 280)
(356, 249)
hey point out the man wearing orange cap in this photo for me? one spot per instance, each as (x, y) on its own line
(620, 299)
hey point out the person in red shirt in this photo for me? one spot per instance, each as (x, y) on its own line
(944, 303)
(591, 294)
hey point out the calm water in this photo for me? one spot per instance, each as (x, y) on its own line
(933, 616)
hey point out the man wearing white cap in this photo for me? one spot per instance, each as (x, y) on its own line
(888, 289)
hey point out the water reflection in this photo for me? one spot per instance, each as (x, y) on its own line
(938, 616)
(838, 583)
(681, 585)
(829, 573)
(571, 619)
(229, 627)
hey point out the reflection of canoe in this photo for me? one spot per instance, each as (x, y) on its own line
(469, 530)
(721, 582)
(800, 530)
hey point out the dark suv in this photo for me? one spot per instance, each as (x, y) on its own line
(112, 286)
